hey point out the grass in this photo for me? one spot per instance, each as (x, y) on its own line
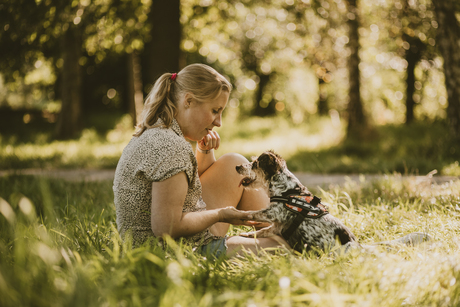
(59, 246)
(315, 146)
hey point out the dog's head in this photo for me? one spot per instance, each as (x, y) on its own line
(261, 169)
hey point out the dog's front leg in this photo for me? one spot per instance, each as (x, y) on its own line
(262, 215)
(261, 233)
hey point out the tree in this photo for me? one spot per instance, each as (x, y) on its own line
(67, 34)
(255, 43)
(37, 29)
(413, 56)
(357, 122)
(410, 24)
(135, 94)
(161, 52)
(448, 38)
(340, 30)
(69, 120)
(328, 53)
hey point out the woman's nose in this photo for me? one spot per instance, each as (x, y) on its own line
(218, 121)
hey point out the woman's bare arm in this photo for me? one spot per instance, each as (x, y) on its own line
(168, 199)
(204, 161)
(210, 142)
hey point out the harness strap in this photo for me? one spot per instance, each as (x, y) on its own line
(315, 201)
(305, 206)
(295, 191)
(295, 224)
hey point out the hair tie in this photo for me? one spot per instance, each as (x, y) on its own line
(173, 76)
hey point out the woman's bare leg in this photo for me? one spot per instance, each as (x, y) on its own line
(221, 189)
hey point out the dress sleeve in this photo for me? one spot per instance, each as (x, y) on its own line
(168, 159)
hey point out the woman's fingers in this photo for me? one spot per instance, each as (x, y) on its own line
(210, 141)
(213, 139)
(217, 139)
(237, 217)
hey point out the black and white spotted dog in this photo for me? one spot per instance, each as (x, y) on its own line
(295, 214)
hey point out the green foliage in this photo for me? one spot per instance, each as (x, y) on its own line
(271, 42)
(33, 29)
(282, 56)
(59, 246)
(452, 169)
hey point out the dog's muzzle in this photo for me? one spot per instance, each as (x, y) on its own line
(246, 181)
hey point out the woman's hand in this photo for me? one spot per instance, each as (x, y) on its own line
(209, 141)
(168, 197)
(236, 217)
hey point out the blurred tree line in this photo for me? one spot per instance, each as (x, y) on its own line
(367, 61)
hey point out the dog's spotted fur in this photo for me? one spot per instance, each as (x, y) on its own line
(269, 171)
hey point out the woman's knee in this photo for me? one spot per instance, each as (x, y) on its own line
(220, 182)
(226, 164)
(233, 159)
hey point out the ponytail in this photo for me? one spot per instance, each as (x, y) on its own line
(157, 105)
(201, 81)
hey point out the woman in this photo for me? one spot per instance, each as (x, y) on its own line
(162, 188)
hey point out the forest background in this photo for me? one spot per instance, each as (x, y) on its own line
(333, 85)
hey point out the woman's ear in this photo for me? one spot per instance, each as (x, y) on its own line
(188, 99)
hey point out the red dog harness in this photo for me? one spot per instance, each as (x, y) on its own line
(306, 206)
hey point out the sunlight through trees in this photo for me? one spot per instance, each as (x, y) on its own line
(370, 62)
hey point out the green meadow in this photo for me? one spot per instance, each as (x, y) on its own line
(59, 247)
(59, 244)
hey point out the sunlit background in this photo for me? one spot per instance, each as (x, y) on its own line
(289, 62)
(337, 87)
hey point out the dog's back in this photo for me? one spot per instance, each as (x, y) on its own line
(322, 233)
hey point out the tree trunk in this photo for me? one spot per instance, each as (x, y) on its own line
(413, 56)
(323, 108)
(448, 38)
(258, 109)
(69, 120)
(161, 53)
(135, 94)
(410, 88)
(356, 120)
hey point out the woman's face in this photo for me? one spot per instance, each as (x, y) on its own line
(196, 119)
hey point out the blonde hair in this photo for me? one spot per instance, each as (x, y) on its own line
(201, 81)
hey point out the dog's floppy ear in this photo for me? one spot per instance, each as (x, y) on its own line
(280, 159)
(270, 163)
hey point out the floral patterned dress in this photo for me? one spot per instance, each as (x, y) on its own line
(158, 154)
